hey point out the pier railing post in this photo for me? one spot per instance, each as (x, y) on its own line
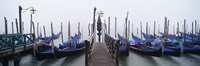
(117, 52)
(86, 52)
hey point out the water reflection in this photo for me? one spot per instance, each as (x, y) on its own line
(135, 59)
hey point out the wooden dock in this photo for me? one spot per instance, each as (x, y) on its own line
(101, 56)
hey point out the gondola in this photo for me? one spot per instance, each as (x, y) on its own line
(54, 36)
(143, 47)
(171, 47)
(189, 45)
(46, 51)
(70, 48)
(122, 47)
(47, 40)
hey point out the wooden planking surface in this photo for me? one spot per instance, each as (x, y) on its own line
(101, 56)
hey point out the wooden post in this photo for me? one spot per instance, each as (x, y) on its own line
(103, 32)
(62, 32)
(154, 28)
(20, 19)
(132, 29)
(16, 25)
(38, 29)
(108, 25)
(192, 32)
(82, 32)
(115, 27)
(86, 52)
(22, 27)
(117, 53)
(79, 36)
(52, 34)
(124, 29)
(92, 32)
(31, 24)
(5, 61)
(195, 32)
(69, 34)
(94, 24)
(45, 38)
(126, 36)
(146, 27)
(12, 28)
(17, 59)
(141, 29)
(173, 30)
(149, 30)
(167, 28)
(34, 45)
(158, 28)
(89, 29)
(128, 30)
(137, 30)
(184, 30)
(177, 29)
(6, 25)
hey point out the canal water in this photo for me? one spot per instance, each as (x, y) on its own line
(134, 59)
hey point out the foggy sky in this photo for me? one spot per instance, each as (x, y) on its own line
(75, 11)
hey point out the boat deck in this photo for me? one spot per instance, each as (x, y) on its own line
(100, 56)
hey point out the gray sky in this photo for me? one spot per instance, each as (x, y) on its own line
(76, 11)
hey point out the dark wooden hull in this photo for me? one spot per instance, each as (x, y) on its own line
(157, 53)
(41, 54)
(64, 53)
(191, 49)
(172, 51)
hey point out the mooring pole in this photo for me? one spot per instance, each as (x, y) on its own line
(158, 28)
(141, 29)
(62, 32)
(146, 27)
(79, 35)
(173, 30)
(12, 28)
(177, 29)
(192, 32)
(52, 34)
(5, 61)
(69, 34)
(149, 30)
(108, 25)
(31, 23)
(184, 30)
(45, 38)
(34, 45)
(6, 25)
(115, 27)
(89, 29)
(137, 30)
(17, 25)
(94, 31)
(17, 59)
(20, 19)
(195, 32)
(38, 29)
(127, 45)
(129, 29)
(154, 29)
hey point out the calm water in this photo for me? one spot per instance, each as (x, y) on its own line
(133, 59)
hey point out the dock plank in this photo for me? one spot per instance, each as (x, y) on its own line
(101, 56)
